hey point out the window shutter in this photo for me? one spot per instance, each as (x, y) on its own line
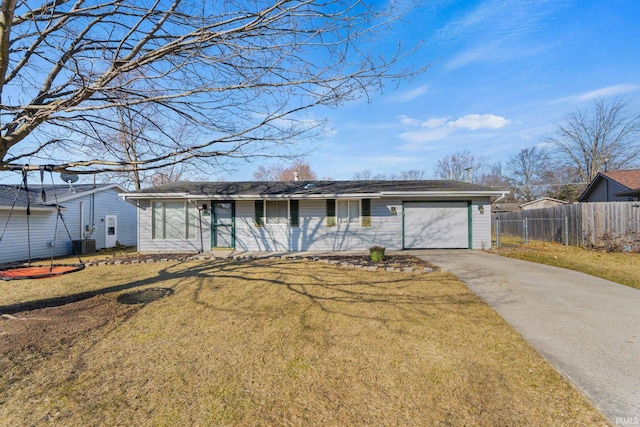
(294, 211)
(366, 212)
(331, 212)
(259, 216)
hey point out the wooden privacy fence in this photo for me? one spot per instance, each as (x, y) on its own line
(612, 225)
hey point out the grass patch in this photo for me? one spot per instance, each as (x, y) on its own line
(618, 267)
(276, 342)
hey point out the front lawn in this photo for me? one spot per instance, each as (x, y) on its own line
(615, 266)
(268, 342)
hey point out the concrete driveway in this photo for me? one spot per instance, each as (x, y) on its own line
(587, 328)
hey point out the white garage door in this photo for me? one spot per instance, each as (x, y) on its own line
(436, 225)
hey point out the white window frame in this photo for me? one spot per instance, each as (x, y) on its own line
(269, 220)
(348, 219)
(188, 221)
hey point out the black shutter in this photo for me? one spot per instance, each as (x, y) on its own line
(331, 212)
(366, 212)
(259, 217)
(294, 210)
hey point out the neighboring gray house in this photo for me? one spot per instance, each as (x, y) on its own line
(95, 214)
(613, 186)
(313, 215)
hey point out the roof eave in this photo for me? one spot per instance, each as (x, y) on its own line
(31, 208)
(490, 193)
(89, 192)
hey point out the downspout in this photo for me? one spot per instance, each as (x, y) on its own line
(500, 198)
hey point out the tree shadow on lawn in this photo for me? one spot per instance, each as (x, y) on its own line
(321, 286)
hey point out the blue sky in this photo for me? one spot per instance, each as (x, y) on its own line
(503, 75)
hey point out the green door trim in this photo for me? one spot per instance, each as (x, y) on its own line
(214, 223)
(469, 221)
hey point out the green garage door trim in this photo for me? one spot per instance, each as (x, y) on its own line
(438, 204)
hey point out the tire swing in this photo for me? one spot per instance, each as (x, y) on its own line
(29, 271)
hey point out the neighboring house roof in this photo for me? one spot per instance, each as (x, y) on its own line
(505, 207)
(62, 193)
(311, 189)
(544, 200)
(629, 179)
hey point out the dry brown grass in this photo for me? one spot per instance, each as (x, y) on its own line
(277, 342)
(618, 267)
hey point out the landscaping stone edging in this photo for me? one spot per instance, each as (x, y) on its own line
(406, 269)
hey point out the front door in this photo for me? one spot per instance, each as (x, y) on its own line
(223, 225)
(111, 231)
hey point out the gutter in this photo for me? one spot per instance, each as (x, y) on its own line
(33, 209)
(126, 196)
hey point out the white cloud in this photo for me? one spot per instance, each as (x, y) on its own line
(406, 120)
(434, 122)
(479, 121)
(603, 92)
(410, 95)
(497, 19)
(608, 91)
(441, 129)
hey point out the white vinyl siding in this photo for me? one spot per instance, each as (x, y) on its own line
(312, 233)
(481, 224)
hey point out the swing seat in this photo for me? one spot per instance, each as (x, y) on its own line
(38, 271)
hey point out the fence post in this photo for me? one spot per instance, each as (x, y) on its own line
(497, 232)
(526, 231)
(566, 231)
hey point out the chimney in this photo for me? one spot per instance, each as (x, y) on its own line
(296, 177)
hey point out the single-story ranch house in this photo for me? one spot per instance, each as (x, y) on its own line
(313, 215)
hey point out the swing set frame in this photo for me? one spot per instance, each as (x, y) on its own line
(28, 270)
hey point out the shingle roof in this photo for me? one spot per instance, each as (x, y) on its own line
(307, 188)
(628, 178)
(8, 194)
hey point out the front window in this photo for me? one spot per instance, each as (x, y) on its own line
(173, 220)
(277, 212)
(348, 211)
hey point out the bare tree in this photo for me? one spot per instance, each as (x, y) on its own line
(410, 175)
(529, 172)
(407, 175)
(368, 175)
(460, 166)
(243, 72)
(299, 168)
(589, 141)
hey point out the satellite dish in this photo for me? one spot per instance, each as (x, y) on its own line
(68, 178)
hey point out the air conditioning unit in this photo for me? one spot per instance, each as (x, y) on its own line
(85, 246)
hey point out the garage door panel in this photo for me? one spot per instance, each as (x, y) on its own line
(436, 225)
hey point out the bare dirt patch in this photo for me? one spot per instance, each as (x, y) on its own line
(41, 328)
